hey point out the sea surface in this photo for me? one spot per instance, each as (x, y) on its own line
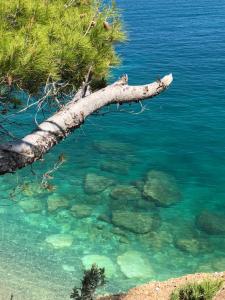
(176, 147)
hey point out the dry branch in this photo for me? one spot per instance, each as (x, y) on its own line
(32, 147)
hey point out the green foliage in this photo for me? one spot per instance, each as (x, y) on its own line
(194, 291)
(46, 41)
(93, 278)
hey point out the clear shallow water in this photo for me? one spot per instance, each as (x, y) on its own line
(182, 134)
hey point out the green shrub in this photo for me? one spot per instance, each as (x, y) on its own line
(197, 291)
(93, 278)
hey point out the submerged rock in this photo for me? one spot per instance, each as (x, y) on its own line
(139, 184)
(63, 216)
(161, 188)
(31, 189)
(102, 262)
(123, 240)
(190, 245)
(104, 218)
(123, 196)
(121, 235)
(32, 205)
(64, 220)
(81, 210)
(134, 265)
(109, 147)
(211, 223)
(115, 167)
(125, 193)
(95, 184)
(118, 231)
(59, 241)
(137, 222)
(157, 240)
(56, 201)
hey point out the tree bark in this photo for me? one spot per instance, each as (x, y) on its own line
(32, 147)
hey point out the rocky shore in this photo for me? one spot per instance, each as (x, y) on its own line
(157, 290)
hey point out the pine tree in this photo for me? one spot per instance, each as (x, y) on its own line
(56, 42)
(92, 279)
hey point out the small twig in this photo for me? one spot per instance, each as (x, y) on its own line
(143, 108)
(48, 174)
(90, 24)
(87, 82)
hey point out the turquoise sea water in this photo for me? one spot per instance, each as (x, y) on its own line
(181, 134)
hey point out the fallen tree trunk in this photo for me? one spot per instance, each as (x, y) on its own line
(32, 147)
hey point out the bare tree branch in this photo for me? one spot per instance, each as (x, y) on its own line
(32, 147)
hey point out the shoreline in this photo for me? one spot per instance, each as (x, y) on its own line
(161, 290)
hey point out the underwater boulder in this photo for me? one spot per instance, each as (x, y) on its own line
(136, 222)
(101, 261)
(63, 216)
(123, 240)
(119, 232)
(59, 241)
(118, 167)
(123, 196)
(121, 235)
(211, 223)
(156, 240)
(56, 201)
(134, 265)
(192, 242)
(125, 193)
(30, 189)
(139, 184)
(81, 210)
(63, 220)
(161, 188)
(189, 245)
(94, 183)
(32, 205)
(104, 218)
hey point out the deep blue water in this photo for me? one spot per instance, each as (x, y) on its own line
(182, 134)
